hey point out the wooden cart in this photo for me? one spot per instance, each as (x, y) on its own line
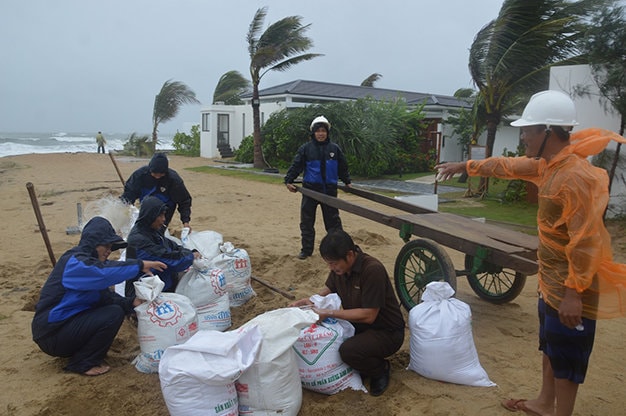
(497, 260)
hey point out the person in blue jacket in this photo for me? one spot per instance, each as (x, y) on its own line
(157, 179)
(323, 164)
(146, 241)
(78, 315)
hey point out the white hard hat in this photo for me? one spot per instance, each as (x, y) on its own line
(320, 120)
(552, 108)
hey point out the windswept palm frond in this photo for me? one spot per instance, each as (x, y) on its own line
(369, 81)
(282, 45)
(167, 104)
(230, 87)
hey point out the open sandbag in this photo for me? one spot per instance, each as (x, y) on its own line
(271, 386)
(317, 351)
(197, 377)
(442, 345)
(206, 242)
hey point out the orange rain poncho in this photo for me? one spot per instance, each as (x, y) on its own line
(574, 245)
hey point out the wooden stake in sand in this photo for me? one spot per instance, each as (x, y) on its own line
(274, 288)
(42, 227)
(116, 168)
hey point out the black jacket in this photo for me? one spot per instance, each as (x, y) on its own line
(146, 243)
(323, 164)
(170, 189)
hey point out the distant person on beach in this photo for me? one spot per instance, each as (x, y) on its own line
(78, 315)
(147, 241)
(157, 179)
(101, 141)
(323, 164)
(368, 301)
(578, 280)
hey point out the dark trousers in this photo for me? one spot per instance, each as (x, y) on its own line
(308, 209)
(367, 350)
(101, 146)
(85, 338)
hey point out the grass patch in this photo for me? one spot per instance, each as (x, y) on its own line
(250, 174)
(491, 208)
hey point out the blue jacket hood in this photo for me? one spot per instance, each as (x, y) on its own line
(99, 231)
(151, 208)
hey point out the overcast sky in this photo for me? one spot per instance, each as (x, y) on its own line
(86, 65)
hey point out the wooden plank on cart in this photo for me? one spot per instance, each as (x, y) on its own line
(510, 249)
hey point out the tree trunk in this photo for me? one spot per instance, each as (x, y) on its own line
(259, 163)
(492, 127)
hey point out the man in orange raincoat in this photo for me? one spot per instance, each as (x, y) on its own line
(578, 280)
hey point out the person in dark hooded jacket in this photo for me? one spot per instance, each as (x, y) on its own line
(147, 241)
(157, 179)
(323, 164)
(78, 315)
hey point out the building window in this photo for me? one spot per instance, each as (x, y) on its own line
(206, 121)
(243, 125)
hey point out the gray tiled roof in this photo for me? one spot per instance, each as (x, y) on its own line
(352, 92)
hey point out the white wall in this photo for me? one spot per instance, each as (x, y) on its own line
(591, 112)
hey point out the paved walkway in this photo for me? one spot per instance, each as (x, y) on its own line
(420, 186)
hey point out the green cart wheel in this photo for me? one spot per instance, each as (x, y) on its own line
(494, 283)
(420, 262)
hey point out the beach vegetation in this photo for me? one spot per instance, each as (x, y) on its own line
(245, 152)
(167, 104)
(282, 45)
(230, 87)
(377, 137)
(187, 144)
(138, 146)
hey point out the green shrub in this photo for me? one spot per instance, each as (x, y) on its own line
(187, 145)
(245, 152)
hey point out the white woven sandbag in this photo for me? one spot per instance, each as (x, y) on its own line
(197, 377)
(317, 352)
(441, 344)
(235, 263)
(271, 386)
(206, 242)
(164, 320)
(206, 287)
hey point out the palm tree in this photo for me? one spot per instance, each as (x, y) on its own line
(273, 50)
(369, 81)
(511, 56)
(230, 87)
(167, 104)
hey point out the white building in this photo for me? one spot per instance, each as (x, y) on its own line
(223, 127)
(592, 111)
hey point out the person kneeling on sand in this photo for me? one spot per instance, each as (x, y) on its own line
(368, 302)
(78, 315)
(147, 241)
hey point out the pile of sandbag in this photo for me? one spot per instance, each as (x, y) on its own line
(441, 344)
(252, 370)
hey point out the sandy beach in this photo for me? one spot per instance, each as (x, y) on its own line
(263, 219)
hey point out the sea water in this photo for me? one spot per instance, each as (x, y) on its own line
(61, 142)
